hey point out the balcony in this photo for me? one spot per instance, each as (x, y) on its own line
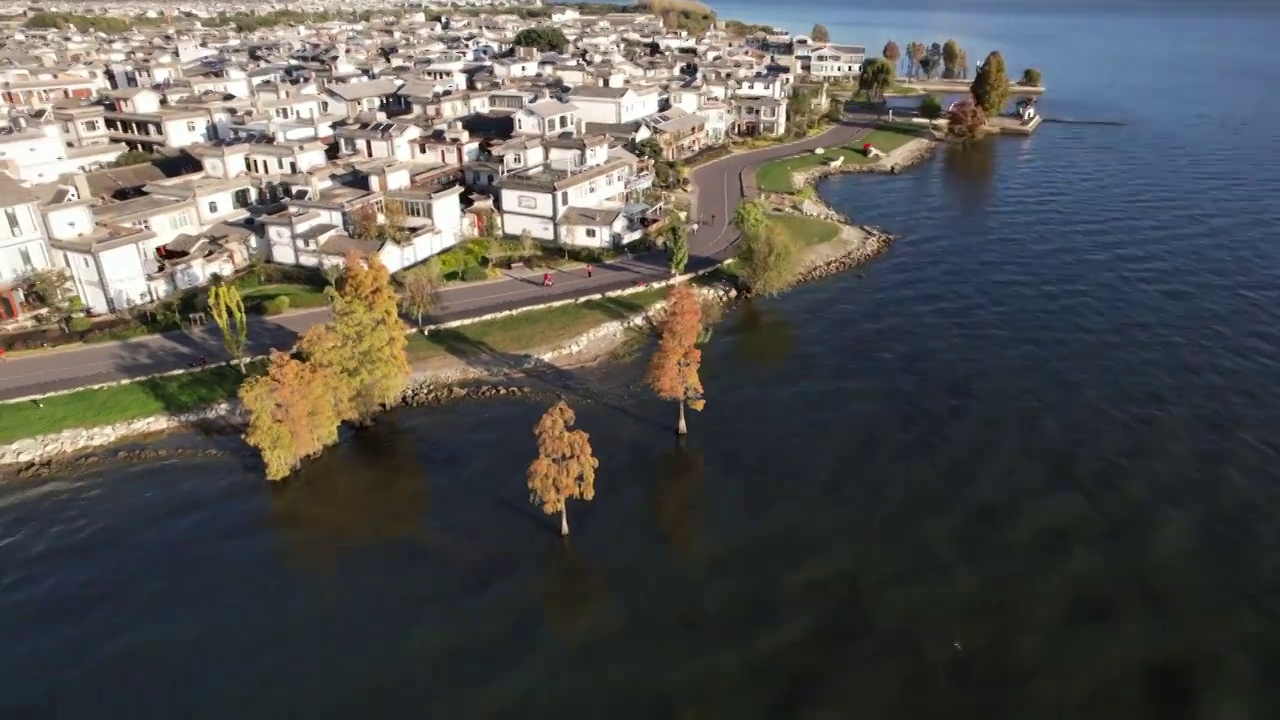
(640, 181)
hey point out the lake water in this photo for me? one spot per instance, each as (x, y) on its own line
(1024, 465)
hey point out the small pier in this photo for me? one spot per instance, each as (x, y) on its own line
(1006, 125)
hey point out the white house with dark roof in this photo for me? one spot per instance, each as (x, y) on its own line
(836, 61)
(546, 117)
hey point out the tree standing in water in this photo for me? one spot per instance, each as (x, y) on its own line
(673, 369)
(565, 468)
(291, 412)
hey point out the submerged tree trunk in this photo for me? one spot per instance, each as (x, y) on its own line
(681, 429)
(564, 522)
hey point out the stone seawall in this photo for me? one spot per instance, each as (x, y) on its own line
(432, 386)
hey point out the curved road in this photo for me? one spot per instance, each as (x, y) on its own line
(717, 189)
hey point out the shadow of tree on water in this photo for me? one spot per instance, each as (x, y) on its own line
(571, 589)
(367, 490)
(677, 494)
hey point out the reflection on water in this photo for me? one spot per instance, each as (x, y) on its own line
(763, 337)
(369, 489)
(678, 493)
(970, 171)
(571, 589)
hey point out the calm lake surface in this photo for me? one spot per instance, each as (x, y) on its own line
(1023, 466)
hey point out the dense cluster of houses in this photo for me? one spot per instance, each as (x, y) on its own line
(270, 145)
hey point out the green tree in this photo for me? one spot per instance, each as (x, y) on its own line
(132, 157)
(1032, 77)
(527, 244)
(227, 308)
(930, 107)
(291, 413)
(928, 65)
(565, 468)
(673, 369)
(678, 247)
(835, 110)
(819, 33)
(332, 272)
(806, 193)
(951, 59)
(543, 37)
(990, 88)
(876, 77)
(767, 260)
(751, 217)
(364, 346)
(419, 291)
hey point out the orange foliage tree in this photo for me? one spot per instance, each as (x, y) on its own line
(291, 413)
(673, 369)
(364, 347)
(565, 469)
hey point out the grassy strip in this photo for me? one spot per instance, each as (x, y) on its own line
(806, 231)
(300, 296)
(775, 176)
(529, 330)
(121, 403)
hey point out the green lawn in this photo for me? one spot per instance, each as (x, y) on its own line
(805, 231)
(775, 176)
(92, 408)
(300, 296)
(529, 330)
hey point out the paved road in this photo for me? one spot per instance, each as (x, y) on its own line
(717, 190)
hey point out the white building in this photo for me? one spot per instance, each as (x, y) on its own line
(22, 243)
(615, 105)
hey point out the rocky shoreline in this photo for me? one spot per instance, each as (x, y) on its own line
(913, 153)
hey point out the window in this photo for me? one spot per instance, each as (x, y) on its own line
(25, 256)
(517, 159)
(279, 163)
(475, 178)
(85, 260)
(213, 207)
(12, 216)
(191, 126)
(564, 197)
(591, 186)
(490, 178)
(179, 221)
(91, 125)
(324, 107)
(282, 113)
(591, 232)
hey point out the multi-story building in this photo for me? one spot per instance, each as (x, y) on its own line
(137, 119)
(835, 62)
(22, 243)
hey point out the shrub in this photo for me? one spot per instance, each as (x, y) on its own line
(473, 273)
(1032, 77)
(930, 107)
(275, 305)
(79, 324)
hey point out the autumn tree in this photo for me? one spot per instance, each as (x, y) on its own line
(364, 223)
(419, 289)
(950, 59)
(678, 247)
(819, 33)
(395, 221)
(962, 65)
(565, 468)
(291, 413)
(364, 346)
(990, 88)
(965, 121)
(673, 369)
(915, 51)
(876, 77)
(227, 308)
(892, 52)
(1032, 77)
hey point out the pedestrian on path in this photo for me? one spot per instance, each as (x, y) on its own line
(589, 270)
(713, 218)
